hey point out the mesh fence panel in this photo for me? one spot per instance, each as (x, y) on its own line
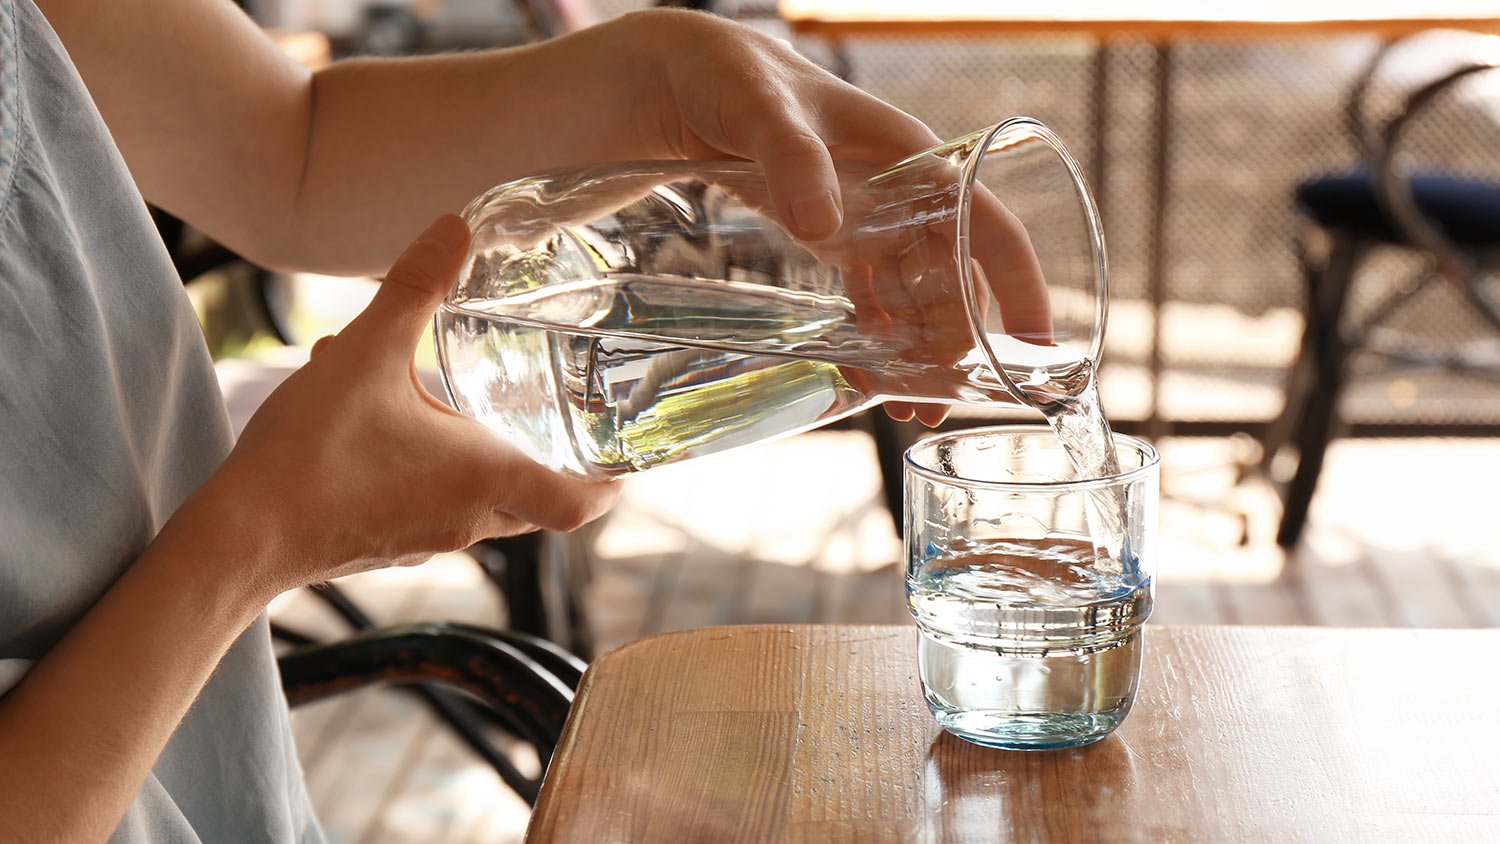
(1250, 119)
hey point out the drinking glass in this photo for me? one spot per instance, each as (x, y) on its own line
(618, 317)
(1030, 582)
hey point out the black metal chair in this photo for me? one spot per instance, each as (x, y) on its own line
(469, 676)
(1453, 220)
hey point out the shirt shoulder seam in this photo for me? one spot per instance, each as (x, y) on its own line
(12, 60)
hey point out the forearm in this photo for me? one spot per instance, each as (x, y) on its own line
(81, 731)
(336, 171)
(348, 466)
(394, 143)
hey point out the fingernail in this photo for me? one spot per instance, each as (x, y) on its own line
(817, 216)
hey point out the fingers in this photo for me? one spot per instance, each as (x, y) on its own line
(409, 295)
(549, 500)
(871, 129)
(800, 175)
(999, 241)
(931, 415)
(499, 486)
(1011, 270)
(901, 411)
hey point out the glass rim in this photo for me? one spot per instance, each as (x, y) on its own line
(1000, 136)
(1150, 462)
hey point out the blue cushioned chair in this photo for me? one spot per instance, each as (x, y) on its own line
(1453, 220)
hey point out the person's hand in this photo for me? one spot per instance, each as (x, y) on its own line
(913, 289)
(352, 465)
(727, 91)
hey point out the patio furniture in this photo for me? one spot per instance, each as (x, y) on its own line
(1453, 220)
(820, 734)
(522, 684)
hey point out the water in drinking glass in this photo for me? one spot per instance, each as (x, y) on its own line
(1029, 576)
(1028, 642)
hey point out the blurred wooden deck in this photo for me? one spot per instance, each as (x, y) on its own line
(1402, 535)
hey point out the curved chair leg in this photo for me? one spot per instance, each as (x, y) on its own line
(1315, 421)
(341, 604)
(291, 635)
(554, 658)
(557, 660)
(412, 653)
(459, 714)
(1300, 381)
(518, 690)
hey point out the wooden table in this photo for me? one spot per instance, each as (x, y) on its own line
(1162, 23)
(819, 734)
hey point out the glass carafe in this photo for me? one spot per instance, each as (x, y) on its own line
(618, 317)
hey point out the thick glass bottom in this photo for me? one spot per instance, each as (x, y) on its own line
(1032, 699)
(1027, 730)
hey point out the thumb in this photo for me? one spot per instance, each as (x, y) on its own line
(410, 293)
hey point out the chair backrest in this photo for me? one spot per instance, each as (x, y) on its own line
(1393, 187)
(1402, 64)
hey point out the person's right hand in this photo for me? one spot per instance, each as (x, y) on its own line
(351, 465)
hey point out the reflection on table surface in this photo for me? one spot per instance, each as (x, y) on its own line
(819, 733)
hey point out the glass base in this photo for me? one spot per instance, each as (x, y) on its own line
(1027, 731)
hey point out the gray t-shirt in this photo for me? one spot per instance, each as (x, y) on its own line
(109, 417)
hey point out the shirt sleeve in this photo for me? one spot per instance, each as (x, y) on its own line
(11, 672)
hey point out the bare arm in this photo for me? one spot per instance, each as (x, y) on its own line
(396, 142)
(211, 117)
(334, 171)
(398, 477)
(80, 732)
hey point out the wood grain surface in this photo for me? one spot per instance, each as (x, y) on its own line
(1159, 19)
(819, 734)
